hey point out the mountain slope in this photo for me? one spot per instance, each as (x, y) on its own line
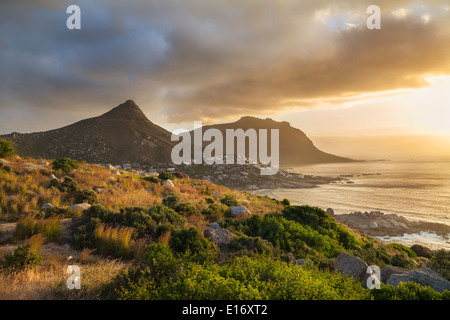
(124, 134)
(121, 135)
(294, 146)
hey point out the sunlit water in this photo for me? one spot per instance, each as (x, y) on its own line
(414, 190)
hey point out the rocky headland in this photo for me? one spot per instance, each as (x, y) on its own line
(376, 223)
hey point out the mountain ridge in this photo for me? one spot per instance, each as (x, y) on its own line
(124, 134)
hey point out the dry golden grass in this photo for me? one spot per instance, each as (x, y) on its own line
(48, 281)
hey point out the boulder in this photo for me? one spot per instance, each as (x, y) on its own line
(352, 266)
(80, 207)
(109, 166)
(386, 272)
(168, 183)
(214, 225)
(116, 172)
(11, 197)
(241, 212)
(330, 211)
(46, 206)
(220, 236)
(216, 193)
(423, 276)
(301, 262)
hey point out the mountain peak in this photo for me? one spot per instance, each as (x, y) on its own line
(128, 110)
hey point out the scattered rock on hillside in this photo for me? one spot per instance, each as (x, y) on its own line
(424, 277)
(219, 236)
(46, 206)
(80, 207)
(168, 183)
(214, 225)
(241, 212)
(301, 262)
(330, 211)
(387, 272)
(350, 265)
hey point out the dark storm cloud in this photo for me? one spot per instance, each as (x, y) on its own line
(194, 60)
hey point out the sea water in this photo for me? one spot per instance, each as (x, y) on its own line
(412, 189)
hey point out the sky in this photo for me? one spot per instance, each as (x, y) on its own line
(313, 63)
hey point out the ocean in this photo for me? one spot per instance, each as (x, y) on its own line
(414, 190)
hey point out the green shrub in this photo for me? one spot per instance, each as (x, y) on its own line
(407, 291)
(286, 202)
(26, 256)
(229, 201)
(153, 221)
(403, 261)
(402, 248)
(441, 263)
(6, 149)
(163, 176)
(373, 256)
(65, 164)
(255, 244)
(163, 277)
(288, 235)
(67, 185)
(88, 196)
(422, 251)
(191, 241)
(216, 212)
(151, 179)
(171, 201)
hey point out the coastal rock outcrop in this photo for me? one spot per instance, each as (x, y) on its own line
(423, 276)
(376, 223)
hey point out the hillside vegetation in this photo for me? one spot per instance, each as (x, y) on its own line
(135, 236)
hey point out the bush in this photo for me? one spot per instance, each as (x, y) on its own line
(67, 185)
(441, 263)
(65, 164)
(191, 241)
(163, 176)
(216, 212)
(30, 225)
(286, 202)
(407, 291)
(153, 221)
(151, 179)
(6, 149)
(404, 249)
(252, 244)
(229, 201)
(24, 257)
(422, 251)
(241, 278)
(88, 196)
